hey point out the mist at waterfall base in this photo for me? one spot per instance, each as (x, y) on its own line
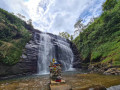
(52, 46)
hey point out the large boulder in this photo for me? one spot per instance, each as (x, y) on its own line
(112, 71)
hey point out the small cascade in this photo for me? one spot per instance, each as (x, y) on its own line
(52, 46)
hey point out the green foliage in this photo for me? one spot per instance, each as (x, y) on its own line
(100, 42)
(79, 24)
(109, 4)
(14, 35)
(66, 35)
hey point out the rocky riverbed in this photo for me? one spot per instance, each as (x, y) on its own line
(89, 81)
(77, 81)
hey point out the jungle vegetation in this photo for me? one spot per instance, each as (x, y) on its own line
(100, 41)
(14, 34)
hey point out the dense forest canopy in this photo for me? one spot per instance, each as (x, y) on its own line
(100, 41)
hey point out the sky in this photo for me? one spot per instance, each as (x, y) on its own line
(55, 16)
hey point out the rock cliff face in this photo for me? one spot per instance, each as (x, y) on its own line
(28, 63)
(77, 60)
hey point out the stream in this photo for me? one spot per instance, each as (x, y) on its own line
(78, 80)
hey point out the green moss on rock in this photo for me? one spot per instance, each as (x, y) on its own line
(14, 34)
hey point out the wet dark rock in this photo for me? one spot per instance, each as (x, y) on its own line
(112, 71)
(27, 64)
(77, 60)
(104, 69)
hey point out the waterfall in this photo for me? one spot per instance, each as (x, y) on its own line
(52, 46)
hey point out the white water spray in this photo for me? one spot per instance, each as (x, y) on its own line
(51, 46)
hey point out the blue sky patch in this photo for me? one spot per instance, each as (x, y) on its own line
(26, 0)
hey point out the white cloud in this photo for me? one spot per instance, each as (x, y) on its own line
(93, 11)
(54, 15)
(15, 6)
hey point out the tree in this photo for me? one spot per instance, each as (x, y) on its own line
(29, 22)
(71, 37)
(91, 21)
(78, 26)
(66, 35)
(21, 16)
(109, 4)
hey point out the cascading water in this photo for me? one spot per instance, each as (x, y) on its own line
(52, 46)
